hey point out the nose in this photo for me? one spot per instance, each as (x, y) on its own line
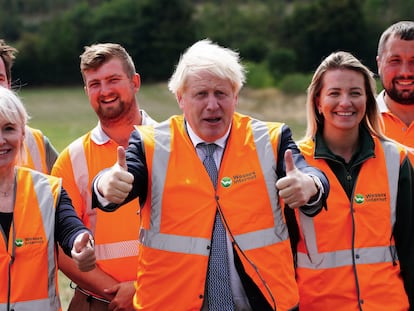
(212, 102)
(407, 68)
(346, 100)
(105, 88)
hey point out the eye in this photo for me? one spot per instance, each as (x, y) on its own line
(10, 128)
(334, 93)
(394, 61)
(201, 94)
(94, 84)
(356, 93)
(114, 80)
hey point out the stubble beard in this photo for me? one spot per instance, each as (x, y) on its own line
(113, 116)
(402, 97)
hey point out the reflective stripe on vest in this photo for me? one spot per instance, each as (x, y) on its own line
(81, 176)
(194, 245)
(46, 200)
(32, 150)
(369, 254)
(33, 305)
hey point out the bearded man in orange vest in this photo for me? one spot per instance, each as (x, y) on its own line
(111, 83)
(395, 60)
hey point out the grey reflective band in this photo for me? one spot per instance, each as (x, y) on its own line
(81, 176)
(116, 250)
(33, 150)
(33, 305)
(46, 204)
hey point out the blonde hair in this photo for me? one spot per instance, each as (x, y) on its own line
(205, 55)
(12, 108)
(98, 54)
(342, 60)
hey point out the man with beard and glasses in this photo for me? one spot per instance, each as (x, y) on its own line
(111, 84)
(395, 62)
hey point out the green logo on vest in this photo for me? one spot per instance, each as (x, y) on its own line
(226, 182)
(359, 199)
(19, 242)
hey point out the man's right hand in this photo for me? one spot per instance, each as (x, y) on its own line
(116, 183)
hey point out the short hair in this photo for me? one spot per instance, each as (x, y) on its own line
(94, 56)
(205, 55)
(342, 60)
(403, 30)
(8, 54)
(12, 108)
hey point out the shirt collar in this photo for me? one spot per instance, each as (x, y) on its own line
(99, 137)
(382, 106)
(221, 142)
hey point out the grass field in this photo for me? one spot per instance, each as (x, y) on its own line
(64, 114)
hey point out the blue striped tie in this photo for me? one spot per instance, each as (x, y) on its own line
(219, 293)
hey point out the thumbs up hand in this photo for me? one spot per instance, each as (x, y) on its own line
(83, 252)
(116, 183)
(296, 188)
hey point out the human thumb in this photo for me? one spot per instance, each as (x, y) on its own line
(82, 243)
(121, 158)
(289, 163)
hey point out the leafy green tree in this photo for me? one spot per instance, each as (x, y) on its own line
(51, 56)
(154, 32)
(316, 29)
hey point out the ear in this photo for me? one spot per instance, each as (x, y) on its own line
(317, 104)
(136, 79)
(179, 98)
(378, 59)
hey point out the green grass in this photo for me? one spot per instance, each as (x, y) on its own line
(64, 114)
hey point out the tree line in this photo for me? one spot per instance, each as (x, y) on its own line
(282, 36)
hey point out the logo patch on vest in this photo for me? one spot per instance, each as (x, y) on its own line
(226, 182)
(371, 197)
(27, 241)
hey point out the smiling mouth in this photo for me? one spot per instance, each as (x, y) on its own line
(405, 83)
(109, 100)
(3, 152)
(345, 114)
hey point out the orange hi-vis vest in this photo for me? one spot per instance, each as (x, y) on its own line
(34, 151)
(346, 256)
(28, 263)
(115, 234)
(178, 216)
